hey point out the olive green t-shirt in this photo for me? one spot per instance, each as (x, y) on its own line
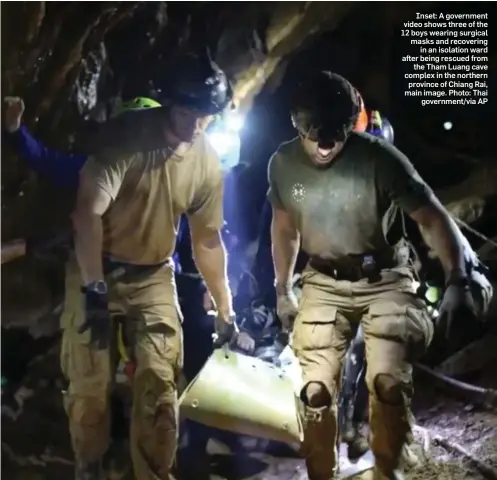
(339, 209)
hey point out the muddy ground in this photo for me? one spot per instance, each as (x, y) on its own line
(36, 445)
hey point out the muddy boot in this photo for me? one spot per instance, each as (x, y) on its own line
(358, 446)
(89, 471)
(412, 456)
(319, 447)
(349, 428)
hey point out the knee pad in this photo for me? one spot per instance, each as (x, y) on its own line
(316, 395)
(388, 389)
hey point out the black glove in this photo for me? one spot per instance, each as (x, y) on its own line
(225, 331)
(457, 308)
(97, 319)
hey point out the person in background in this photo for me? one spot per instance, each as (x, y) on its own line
(61, 168)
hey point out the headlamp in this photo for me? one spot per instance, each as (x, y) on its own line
(234, 122)
(224, 135)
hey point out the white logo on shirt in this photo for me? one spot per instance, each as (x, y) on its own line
(298, 192)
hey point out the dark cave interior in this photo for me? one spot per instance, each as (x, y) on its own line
(68, 60)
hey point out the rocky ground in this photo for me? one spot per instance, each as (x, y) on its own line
(35, 443)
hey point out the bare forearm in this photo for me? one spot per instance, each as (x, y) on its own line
(285, 248)
(442, 235)
(210, 258)
(88, 246)
(13, 250)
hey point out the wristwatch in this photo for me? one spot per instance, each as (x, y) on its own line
(99, 287)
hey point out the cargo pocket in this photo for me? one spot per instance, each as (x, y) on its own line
(315, 327)
(406, 324)
(420, 331)
(78, 360)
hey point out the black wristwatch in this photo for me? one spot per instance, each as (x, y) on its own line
(99, 287)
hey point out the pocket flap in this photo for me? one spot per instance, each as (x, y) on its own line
(387, 308)
(318, 314)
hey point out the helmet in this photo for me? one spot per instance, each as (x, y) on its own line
(325, 108)
(197, 82)
(362, 121)
(379, 126)
(138, 103)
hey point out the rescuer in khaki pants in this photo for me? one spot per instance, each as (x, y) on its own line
(339, 195)
(148, 299)
(397, 330)
(156, 166)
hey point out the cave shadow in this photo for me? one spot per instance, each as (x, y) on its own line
(236, 467)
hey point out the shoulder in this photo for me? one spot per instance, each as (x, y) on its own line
(115, 159)
(111, 163)
(384, 154)
(379, 147)
(286, 150)
(207, 162)
(362, 142)
(284, 155)
(203, 147)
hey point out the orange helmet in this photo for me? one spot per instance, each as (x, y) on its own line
(362, 121)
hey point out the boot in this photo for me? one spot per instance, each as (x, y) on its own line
(349, 428)
(319, 447)
(358, 446)
(89, 471)
(412, 456)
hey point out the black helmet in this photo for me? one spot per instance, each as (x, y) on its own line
(379, 126)
(195, 81)
(325, 108)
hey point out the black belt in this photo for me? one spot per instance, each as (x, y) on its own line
(117, 270)
(355, 268)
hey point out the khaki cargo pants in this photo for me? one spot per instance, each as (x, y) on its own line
(149, 303)
(397, 329)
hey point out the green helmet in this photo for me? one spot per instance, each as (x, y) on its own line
(138, 103)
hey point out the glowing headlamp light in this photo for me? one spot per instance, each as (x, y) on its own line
(223, 142)
(224, 136)
(234, 122)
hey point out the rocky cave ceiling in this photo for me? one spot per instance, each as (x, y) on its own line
(67, 58)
